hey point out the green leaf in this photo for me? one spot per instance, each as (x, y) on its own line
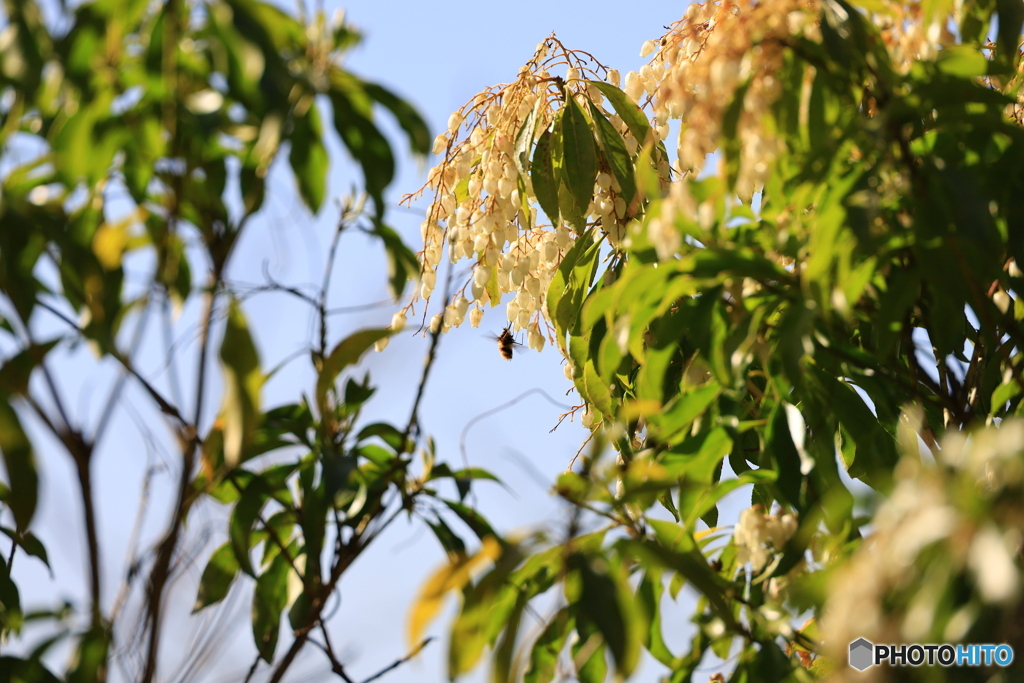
(10, 597)
(547, 650)
(217, 578)
(689, 562)
(606, 601)
(649, 598)
(628, 111)
(787, 461)
(389, 434)
(346, 353)
(962, 60)
(1011, 19)
(308, 158)
(588, 653)
(402, 263)
(542, 177)
(362, 138)
(578, 154)
(614, 148)
(19, 461)
(408, 118)
(876, 454)
(679, 415)
(524, 141)
(16, 370)
(268, 601)
(30, 544)
(570, 285)
(473, 519)
(243, 517)
(91, 657)
(243, 383)
(489, 607)
(449, 540)
(15, 670)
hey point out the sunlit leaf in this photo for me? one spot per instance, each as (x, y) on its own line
(579, 155)
(243, 383)
(450, 577)
(542, 177)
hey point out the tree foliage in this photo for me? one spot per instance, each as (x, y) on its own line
(151, 132)
(827, 312)
(792, 323)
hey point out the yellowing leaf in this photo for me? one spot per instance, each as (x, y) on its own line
(113, 239)
(452, 576)
(243, 382)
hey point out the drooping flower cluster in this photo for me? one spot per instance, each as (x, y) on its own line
(758, 534)
(484, 207)
(958, 524)
(703, 59)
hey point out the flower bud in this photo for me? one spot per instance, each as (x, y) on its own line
(535, 338)
(398, 321)
(475, 316)
(440, 144)
(454, 122)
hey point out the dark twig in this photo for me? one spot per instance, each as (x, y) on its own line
(336, 666)
(399, 662)
(161, 571)
(252, 669)
(118, 388)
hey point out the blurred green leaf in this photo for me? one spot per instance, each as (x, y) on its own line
(547, 649)
(268, 602)
(243, 383)
(408, 118)
(19, 461)
(347, 352)
(607, 602)
(220, 573)
(308, 158)
(369, 147)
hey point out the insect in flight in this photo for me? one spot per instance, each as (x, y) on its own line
(506, 343)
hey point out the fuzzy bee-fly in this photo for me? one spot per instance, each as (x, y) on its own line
(506, 343)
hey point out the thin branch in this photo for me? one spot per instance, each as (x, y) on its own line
(115, 392)
(399, 662)
(498, 409)
(336, 666)
(322, 302)
(359, 308)
(161, 571)
(165, 406)
(252, 669)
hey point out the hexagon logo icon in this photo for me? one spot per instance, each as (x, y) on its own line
(861, 654)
